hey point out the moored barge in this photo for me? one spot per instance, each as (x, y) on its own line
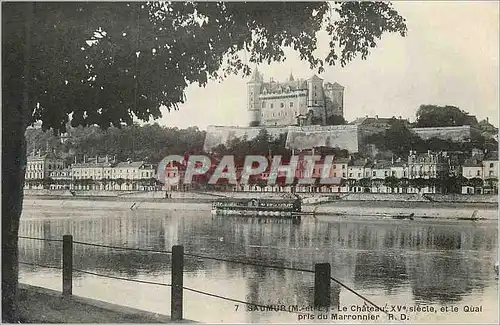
(270, 206)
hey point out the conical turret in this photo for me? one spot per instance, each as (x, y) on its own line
(256, 76)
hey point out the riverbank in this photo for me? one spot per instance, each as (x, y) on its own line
(308, 198)
(41, 305)
(36, 207)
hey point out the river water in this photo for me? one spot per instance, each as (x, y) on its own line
(400, 263)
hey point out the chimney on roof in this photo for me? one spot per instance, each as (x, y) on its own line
(75, 159)
(84, 158)
(399, 116)
(376, 117)
(487, 119)
(107, 158)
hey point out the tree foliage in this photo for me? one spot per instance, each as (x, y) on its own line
(435, 116)
(150, 142)
(107, 63)
(335, 120)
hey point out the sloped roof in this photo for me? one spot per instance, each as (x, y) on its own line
(492, 155)
(91, 164)
(357, 163)
(372, 120)
(399, 164)
(341, 160)
(472, 163)
(315, 77)
(275, 87)
(382, 165)
(132, 164)
(335, 85)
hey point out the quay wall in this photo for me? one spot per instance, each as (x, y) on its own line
(454, 133)
(310, 198)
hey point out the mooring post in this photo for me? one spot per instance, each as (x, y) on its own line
(177, 282)
(322, 273)
(67, 272)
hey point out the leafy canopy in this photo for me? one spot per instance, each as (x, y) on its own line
(107, 63)
(438, 116)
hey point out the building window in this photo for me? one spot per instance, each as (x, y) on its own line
(374, 174)
(315, 102)
(478, 173)
(272, 105)
(393, 173)
(282, 105)
(386, 173)
(291, 104)
(491, 165)
(343, 166)
(350, 174)
(263, 104)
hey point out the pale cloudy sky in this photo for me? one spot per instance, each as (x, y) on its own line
(450, 56)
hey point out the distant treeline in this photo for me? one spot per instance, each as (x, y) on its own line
(149, 142)
(152, 142)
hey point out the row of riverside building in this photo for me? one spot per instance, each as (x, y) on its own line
(95, 173)
(419, 173)
(416, 174)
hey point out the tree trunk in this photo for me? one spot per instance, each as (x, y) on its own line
(17, 21)
(13, 162)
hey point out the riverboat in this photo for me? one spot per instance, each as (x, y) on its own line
(267, 207)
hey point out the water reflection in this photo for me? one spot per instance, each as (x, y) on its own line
(441, 263)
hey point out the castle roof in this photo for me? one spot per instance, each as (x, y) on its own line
(256, 76)
(315, 77)
(335, 85)
(276, 87)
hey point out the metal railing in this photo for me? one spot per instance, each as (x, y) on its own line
(322, 276)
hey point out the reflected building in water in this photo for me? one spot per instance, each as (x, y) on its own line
(439, 261)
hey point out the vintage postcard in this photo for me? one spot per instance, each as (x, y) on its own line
(250, 162)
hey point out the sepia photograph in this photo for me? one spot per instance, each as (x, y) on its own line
(250, 162)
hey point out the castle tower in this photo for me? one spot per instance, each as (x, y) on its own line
(315, 98)
(335, 103)
(253, 103)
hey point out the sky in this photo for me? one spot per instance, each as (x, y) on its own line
(450, 56)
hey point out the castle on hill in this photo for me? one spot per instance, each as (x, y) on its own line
(293, 102)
